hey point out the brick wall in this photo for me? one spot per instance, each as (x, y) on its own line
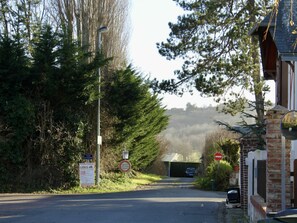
(246, 145)
(274, 155)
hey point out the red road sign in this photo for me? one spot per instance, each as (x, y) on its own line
(218, 156)
(125, 165)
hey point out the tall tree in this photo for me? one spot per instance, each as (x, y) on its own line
(16, 111)
(82, 18)
(220, 58)
(44, 109)
(21, 18)
(139, 117)
(49, 91)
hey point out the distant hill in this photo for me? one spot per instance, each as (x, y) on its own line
(188, 127)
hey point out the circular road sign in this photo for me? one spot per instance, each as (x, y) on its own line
(218, 156)
(125, 165)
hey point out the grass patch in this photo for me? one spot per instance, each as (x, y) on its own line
(144, 179)
(113, 182)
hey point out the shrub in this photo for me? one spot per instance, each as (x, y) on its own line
(220, 173)
(216, 178)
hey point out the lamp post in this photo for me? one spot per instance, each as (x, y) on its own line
(99, 138)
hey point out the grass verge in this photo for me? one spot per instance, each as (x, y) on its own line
(115, 182)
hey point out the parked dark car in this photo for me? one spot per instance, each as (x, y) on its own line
(190, 171)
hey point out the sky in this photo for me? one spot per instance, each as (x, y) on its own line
(149, 25)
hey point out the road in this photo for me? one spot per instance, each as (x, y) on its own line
(170, 200)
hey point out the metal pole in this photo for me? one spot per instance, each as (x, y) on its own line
(99, 138)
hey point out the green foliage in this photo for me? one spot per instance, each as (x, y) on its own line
(216, 174)
(43, 110)
(222, 141)
(48, 102)
(110, 183)
(247, 129)
(16, 111)
(14, 71)
(230, 149)
(220, 172)
(204, 183)
(216, 178)
(140, 117)
(216, 32)
(212, 39)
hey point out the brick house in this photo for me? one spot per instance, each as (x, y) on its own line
(274, 166)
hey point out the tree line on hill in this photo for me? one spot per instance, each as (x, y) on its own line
(189, 129)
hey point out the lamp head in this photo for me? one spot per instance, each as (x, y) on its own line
(102, 29)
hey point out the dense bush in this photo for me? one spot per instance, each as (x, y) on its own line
(216, 178)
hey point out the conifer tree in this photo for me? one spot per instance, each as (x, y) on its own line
(140, 116)
(220, 58)
(16, 111)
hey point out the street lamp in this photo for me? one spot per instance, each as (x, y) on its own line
(99, 138)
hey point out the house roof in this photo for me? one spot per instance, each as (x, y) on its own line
(172, 157)
(281, 38)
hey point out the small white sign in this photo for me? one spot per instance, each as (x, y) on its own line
(87, 174)
(99, 140)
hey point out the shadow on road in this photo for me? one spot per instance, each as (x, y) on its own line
(170, 200)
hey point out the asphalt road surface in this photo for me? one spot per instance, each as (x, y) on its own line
(169, 201)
